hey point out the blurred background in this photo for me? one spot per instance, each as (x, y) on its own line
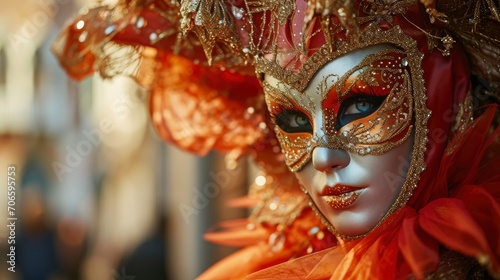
(97, 194)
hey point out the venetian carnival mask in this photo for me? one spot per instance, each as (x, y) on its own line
(351, 124)
(348, 135)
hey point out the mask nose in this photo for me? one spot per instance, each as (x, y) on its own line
(326, 160)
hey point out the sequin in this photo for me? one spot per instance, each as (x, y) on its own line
(314, 231)
(80, 24)
(238, 12)
(153, 37)
(141, 22)
(110, 29)
(277, 241)
(83, 37)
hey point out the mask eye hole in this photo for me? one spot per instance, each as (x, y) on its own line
(358, 107)
(293, 121)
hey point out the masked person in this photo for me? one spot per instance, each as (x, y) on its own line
(371, 102)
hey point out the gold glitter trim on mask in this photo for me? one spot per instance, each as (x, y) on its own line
(374, 134)
(372, 35)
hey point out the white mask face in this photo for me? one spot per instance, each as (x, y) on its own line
(355, 192)
(348, 135)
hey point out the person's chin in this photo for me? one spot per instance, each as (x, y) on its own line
(350, 223)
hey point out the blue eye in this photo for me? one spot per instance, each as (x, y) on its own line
(358, 107)
(299, 120)
(364, 106)
(293, 121)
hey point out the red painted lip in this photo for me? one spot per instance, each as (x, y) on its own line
(338, 190)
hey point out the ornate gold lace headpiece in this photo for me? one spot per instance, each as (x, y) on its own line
(237, 32)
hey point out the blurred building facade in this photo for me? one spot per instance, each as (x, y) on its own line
(95, 186)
